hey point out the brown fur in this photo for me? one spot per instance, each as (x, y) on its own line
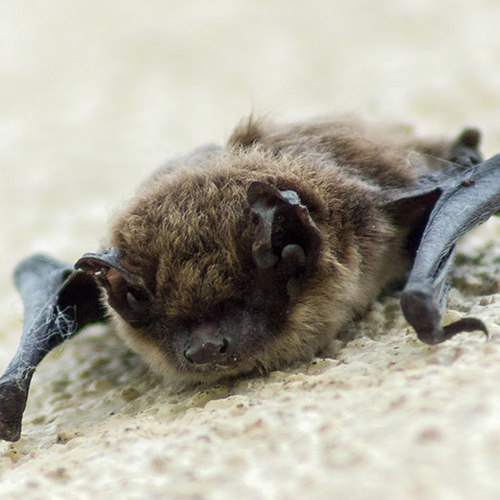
(189, 234)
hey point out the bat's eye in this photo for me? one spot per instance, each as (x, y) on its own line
(137, 300)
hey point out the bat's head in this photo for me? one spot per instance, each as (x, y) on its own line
(217, 273)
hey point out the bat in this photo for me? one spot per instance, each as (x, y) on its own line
(248, 257)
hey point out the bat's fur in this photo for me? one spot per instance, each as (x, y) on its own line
(189, 235)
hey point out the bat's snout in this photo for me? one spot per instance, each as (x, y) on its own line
(208, 345)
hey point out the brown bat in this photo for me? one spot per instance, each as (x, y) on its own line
(249, 257)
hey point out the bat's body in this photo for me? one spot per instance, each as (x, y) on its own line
(189, 235)
(255, 255)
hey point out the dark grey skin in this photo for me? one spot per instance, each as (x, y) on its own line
(250, 257)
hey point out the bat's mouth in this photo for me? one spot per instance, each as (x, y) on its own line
(214, 372)
(225, 364)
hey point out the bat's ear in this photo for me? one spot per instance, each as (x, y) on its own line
(127, 293)
(287, 235)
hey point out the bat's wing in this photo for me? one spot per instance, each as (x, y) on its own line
(58, 302)
(454, 202)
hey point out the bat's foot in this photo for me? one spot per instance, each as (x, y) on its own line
(464, 151)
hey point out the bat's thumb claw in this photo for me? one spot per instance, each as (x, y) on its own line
(466, 325)
(423, 313)
(463, 325)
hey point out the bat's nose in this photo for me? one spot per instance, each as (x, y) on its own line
(207, 345)
(208, 352)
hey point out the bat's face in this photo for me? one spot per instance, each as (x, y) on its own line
(210, 275)
(213, 274)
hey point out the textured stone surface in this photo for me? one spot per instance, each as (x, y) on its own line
(94, 96)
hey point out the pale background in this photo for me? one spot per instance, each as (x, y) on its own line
(93, 96)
